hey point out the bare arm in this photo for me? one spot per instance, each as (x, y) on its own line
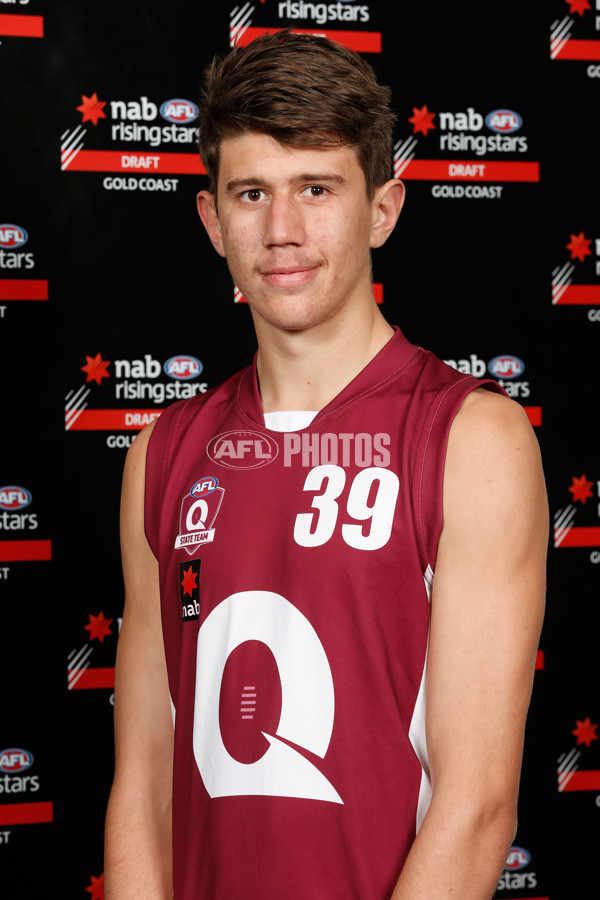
(486, 616)
(138, 822)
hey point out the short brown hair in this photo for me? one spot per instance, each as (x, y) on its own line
(302, 90)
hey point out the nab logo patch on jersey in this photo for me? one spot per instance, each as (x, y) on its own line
(199, 509)
(189, 590)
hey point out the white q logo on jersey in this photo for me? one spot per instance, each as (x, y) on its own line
(307, 700)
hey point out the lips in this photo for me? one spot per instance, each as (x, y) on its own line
(289, 276)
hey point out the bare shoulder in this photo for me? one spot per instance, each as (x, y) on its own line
(493, 467)
(492, 431)
(485, 414)
(136, 455)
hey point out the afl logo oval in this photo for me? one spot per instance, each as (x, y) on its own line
(14, 497)
(15, 760)
(204, 486)
(504, 121)
(517, 859)
(179, 111)
(12, 236)
(242, 450)
(506, 366)
(183, 368)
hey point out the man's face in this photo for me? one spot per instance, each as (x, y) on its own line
(295, 226)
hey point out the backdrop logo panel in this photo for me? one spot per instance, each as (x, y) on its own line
(141, 137)
(17, 259)
(579, 767)
(577, 281)
(18, 529)
(578, 524)
(516, 875)
(466, 149)
(20, 786)
(576, 36)
(507, 370)
(123, 380)
(92, 665)
(346, 22)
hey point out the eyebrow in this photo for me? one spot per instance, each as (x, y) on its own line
(252, 181)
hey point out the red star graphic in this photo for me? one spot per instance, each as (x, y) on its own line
(578, 6)
(189, 581)
(92, 108)
(95, 368)
(98, 627)
(579, 246)
(96, 887)
(585, 732)
(422, 120)
(581, 489)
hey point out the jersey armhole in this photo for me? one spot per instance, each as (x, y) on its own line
(159, 456)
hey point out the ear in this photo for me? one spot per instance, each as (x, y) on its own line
(207, 210)
(386, 205)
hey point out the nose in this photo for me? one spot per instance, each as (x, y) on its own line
(283, 222)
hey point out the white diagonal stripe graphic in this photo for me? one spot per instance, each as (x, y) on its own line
(65, 163)
(77, 395)
(78, 665)
(239, 12)
(75, 407)
(80, 656)
(561, 530)
(239, 24)
(403, 153)
(561, 279)
(559, 35)
(79, 672)
(71, 137)
(567, 769)
(560, 28)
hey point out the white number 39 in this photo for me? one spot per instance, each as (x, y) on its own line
(371, 500)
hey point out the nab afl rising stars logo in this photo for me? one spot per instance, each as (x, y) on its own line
(199, 509)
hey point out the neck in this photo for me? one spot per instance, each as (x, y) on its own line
(306, 369)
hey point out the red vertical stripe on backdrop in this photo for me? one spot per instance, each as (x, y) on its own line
(22, 26)
(22, 551)
(539, 661)
(25, 813)
(23, 289)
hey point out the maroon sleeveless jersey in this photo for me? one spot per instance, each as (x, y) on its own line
(295, 571)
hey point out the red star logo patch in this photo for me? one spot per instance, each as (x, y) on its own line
(96, 887)
(581, 489)
(579, 246)
(92, 109)
(585, 732)
(578, 6)
(422, 120)
(95, 368)
(98, 627)
(189, 581)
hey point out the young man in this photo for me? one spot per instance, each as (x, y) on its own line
(345, 724)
